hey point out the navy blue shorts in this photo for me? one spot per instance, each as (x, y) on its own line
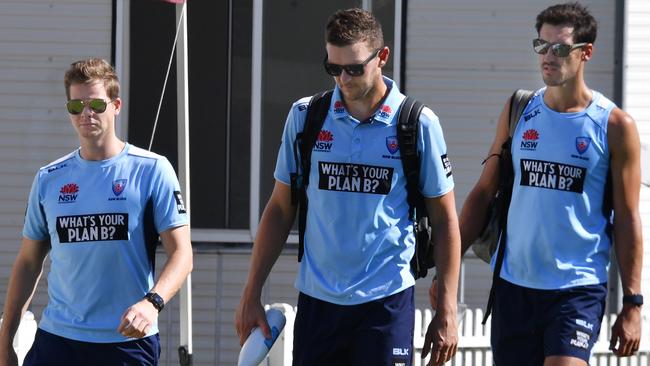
(52, 350)
(529, 325)
(376, 333)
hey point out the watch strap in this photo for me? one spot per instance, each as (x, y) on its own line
(635, 299)
(155, 300)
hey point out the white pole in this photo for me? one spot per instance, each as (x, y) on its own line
(256, 116)
(397, 45)
(182, 101)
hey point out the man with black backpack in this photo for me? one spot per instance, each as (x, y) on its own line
(357, 216)
(572, 156)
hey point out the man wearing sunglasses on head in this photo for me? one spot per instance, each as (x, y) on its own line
(575, 156)
(355, 305)
(98, 212)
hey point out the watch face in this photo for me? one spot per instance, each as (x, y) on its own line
(156, 300)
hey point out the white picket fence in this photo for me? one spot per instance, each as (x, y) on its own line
(474, 341)
(473, 345)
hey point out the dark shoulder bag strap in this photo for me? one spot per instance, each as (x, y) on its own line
(407, 134)
(407, 139)
(316, 113)
(518, 103)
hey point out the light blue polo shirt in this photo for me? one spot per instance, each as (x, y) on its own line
(359, 239)
(557, 232)
(102, 219)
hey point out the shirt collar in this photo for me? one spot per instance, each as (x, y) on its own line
(384, 113)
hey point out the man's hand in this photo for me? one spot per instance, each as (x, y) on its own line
(250, 314)
(626, 332)
(138, 319)
(8, 356)
(443, 334)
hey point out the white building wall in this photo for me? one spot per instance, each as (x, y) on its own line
(39, 39)
(636, 102)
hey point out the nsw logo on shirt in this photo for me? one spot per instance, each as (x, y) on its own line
(68, 193)
(385, 111)
(324, 141)
(529, 140)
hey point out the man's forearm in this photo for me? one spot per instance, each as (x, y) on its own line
(447, 269)
(174, 273)
(271, 236)
(21, 287)
(473, 218)
(628, 245)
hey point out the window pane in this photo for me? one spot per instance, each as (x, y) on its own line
(219, 82)
(384, 11)
(293, 51)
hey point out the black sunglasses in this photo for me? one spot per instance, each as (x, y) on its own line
(559, 49)
(352, 70)
(76, 106)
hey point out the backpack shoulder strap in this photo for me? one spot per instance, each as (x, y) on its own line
(407, 138)
(316, 113)
(518, 103)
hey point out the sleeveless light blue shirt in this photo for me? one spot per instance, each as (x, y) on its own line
(557, 231)
(358, 239)
(102, 219)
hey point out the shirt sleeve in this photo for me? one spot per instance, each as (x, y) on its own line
(35, 227)
(435, 168)
(286, 162)
(168, 205)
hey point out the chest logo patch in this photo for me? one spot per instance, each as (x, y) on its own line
(68, 193)
(529, 140)
(118, 186)
(391, 144)
(346, 177)
(324, 141)
(582, 144)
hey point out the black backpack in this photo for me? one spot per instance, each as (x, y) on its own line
(407, 133)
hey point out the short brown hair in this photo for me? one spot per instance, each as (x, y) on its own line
(90, 70)
(573, 15)
(346, 27)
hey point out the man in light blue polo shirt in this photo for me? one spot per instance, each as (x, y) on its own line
(98, 212)
(356, 287)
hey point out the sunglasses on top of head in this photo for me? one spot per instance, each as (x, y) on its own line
(76, 106)
(352, 70)
(559, 49)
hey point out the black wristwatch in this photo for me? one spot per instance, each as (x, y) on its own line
(636, 299)
(156, 300)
